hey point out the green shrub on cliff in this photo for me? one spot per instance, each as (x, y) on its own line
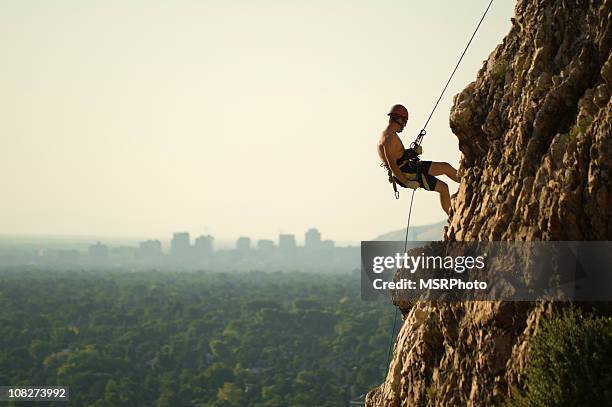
(570, 363)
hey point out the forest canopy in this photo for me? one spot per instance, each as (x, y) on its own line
(192, 339)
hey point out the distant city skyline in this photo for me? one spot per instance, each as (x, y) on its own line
(185, 252)
(220, 242)
(223, 242)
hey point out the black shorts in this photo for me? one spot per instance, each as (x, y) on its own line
(418, 171)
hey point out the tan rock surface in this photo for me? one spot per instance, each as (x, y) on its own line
(535, 132)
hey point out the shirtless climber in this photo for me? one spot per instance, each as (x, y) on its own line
(406, 168)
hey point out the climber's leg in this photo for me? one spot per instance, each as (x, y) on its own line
(445, 201)
(437, 168)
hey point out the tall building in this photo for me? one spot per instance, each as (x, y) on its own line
(312, 239)
(149, 248)
(265, 246)
(243, 244)
(204, 245)
(98, 252)
(180, 245)
(286, 242)
(123, 253)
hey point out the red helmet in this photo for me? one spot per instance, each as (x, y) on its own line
(398, 110)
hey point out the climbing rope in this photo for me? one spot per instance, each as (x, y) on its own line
(423, 132)
(396, 309)
(417, 142)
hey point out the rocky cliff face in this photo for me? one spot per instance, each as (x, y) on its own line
(535, 130)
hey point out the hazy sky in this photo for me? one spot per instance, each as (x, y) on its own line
(139, 118)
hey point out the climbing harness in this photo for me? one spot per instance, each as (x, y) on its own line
(410, 156)
(413, 145)
(391, 179)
